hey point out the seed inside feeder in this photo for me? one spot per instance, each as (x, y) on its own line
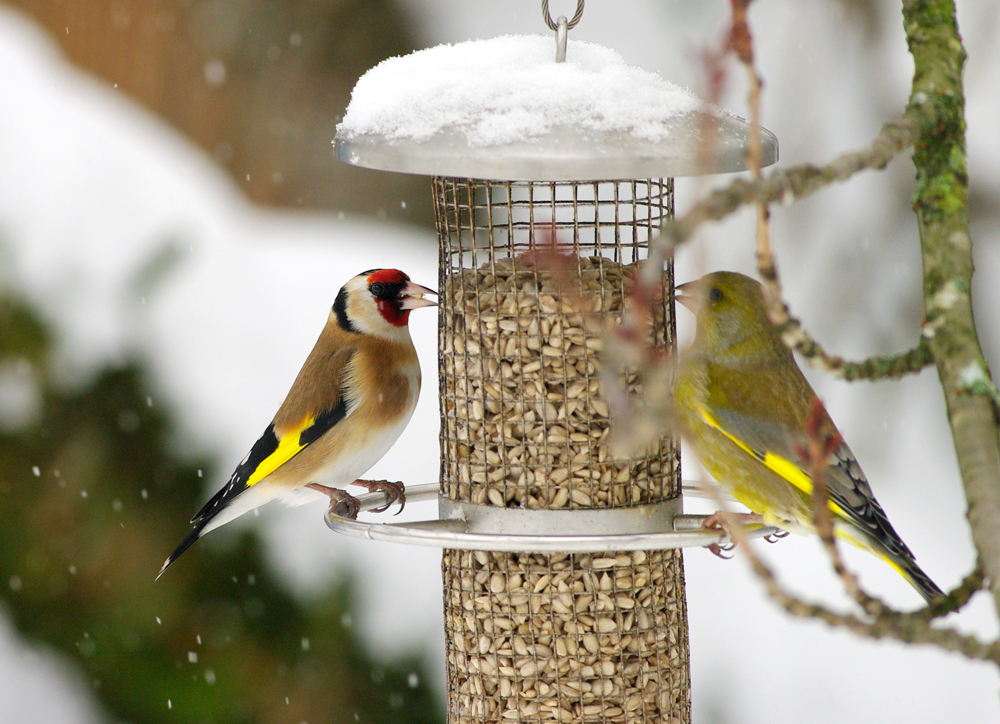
(525, 423)
(525, 309)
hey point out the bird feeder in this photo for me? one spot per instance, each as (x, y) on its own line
(563, 581)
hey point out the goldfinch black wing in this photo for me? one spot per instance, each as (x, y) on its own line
(269, 453)
(280, 442)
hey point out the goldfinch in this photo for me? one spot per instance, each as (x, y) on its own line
(350, 401)
(742, 402)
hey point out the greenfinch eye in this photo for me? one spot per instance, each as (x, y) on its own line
(714, 294)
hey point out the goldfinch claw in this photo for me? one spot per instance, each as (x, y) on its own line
(347, 508)
(342, 503)
(394, 492)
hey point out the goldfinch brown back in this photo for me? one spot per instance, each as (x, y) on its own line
(347, 406)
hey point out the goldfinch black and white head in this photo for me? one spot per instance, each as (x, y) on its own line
(349, 403)
(379, 302)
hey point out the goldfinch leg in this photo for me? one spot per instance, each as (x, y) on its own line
(342, 503)
(394, 491)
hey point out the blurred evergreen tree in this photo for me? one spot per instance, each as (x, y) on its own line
(91, 499)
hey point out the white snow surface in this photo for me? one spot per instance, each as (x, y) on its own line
(509, 89)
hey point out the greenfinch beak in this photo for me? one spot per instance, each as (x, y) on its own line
(689, 295)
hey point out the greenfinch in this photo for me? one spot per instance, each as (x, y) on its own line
(747, 410)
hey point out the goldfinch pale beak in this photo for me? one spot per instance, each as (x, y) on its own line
(413, 297)
(689, 295)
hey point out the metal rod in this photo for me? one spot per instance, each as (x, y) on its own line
(561, 32)
(429, 491)
(684, 531)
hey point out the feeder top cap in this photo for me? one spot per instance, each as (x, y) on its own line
(505, 109)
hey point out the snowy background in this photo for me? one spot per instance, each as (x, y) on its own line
(95, 192)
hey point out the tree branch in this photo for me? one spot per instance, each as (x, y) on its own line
(934, 124)
(785, 187)
(911, 628)
(941, 205)
(793, 183)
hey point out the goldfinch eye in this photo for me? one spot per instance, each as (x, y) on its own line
(714, 294)
(377, 289)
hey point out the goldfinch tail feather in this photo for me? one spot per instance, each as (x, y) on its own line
(227, 505)
(185, 544)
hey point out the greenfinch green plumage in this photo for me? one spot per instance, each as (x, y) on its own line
(743, 403)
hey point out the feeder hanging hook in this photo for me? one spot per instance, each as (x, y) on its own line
(561, 26)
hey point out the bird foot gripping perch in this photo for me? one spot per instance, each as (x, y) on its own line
(482, 527)
(726, 522)
(345, 505)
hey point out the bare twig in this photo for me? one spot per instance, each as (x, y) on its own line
(785, 187)
(793, 183)
(909, 628)
(957, 598)
(822, 444)
(741, 42)
(885, 622)
(793, 334)
(822, 441)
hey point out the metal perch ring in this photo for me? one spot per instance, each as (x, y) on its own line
(466, 526)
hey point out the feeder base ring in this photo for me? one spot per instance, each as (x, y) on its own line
(465, 526)
(490, 519)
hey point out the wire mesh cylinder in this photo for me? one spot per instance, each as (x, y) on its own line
(531, 276)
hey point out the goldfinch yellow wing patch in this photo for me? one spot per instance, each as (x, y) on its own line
(271, 452)
(294, 441)
(287, 447)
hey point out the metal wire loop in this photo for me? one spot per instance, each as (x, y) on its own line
(561, 39)
(484, 528)
(552, 24)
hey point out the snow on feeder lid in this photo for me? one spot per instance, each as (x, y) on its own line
(504, 109)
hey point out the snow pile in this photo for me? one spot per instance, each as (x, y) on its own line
(510, 89)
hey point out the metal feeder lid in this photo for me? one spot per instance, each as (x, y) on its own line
(505, 109)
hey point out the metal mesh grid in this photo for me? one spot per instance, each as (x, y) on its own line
(561, 637)
(531, 275)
